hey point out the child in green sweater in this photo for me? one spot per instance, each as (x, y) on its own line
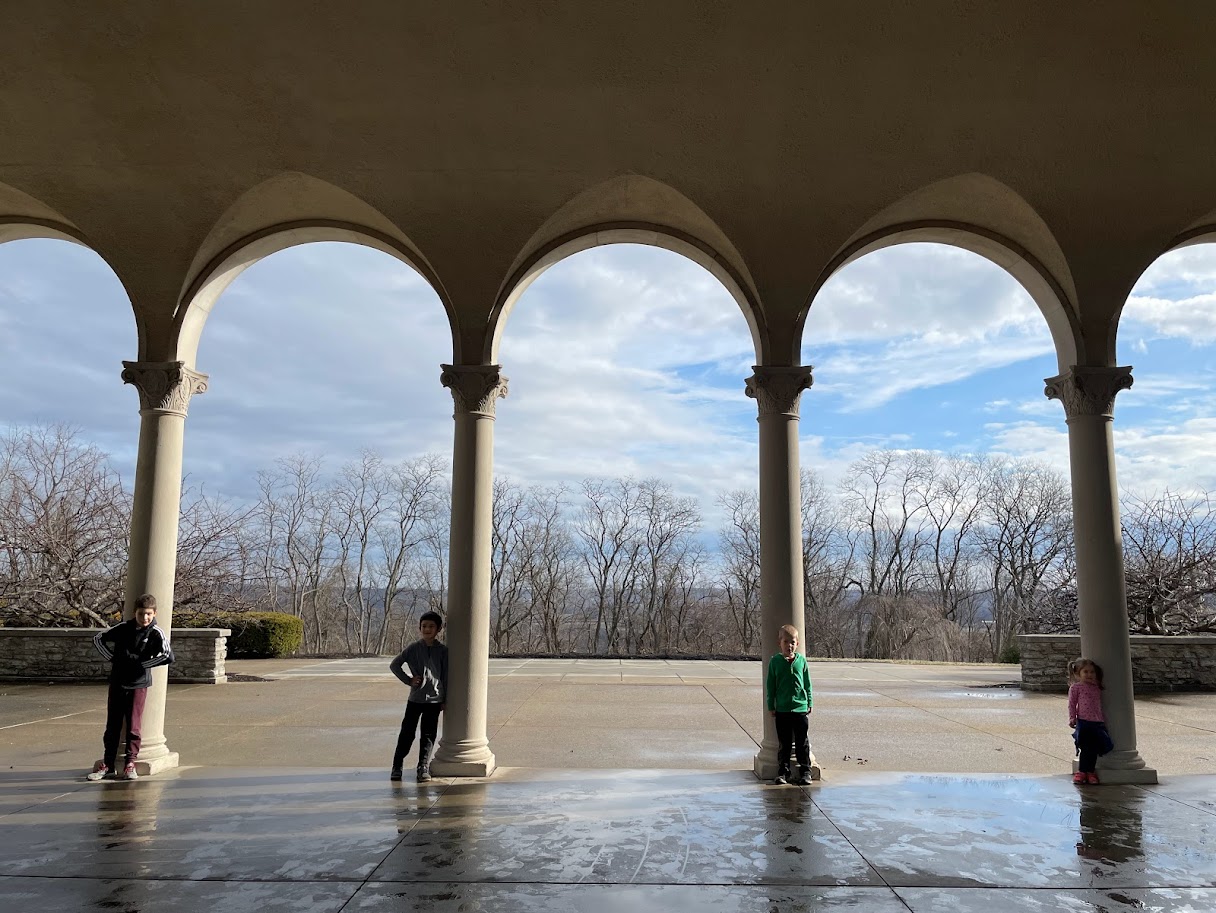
(788, 697)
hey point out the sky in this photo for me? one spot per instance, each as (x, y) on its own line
(622, 360)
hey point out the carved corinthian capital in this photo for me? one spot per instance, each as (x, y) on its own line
(776, 390)
(164, 386)
(475, 388)
(1088, 391)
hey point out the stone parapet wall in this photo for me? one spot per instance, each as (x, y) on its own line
(68, 654)
(1158, 663)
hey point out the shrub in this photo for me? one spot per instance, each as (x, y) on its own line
(255, 635)
(1011, 654)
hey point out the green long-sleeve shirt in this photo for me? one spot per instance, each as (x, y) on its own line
(788, 689)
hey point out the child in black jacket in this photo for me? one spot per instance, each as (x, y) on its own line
(133, 647)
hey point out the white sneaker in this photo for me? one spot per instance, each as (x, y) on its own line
(130, 773)
(99, 772)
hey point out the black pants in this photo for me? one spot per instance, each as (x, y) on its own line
(1092, 741)
(792, 732)
(414, 711)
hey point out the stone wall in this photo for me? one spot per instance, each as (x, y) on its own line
(1158, 663)
(68, 654)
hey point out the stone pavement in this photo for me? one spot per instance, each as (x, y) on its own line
(614, 795)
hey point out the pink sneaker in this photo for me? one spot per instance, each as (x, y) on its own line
(1078, 778)
(1092, 779)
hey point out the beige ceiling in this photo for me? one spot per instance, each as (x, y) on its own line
(772, 141)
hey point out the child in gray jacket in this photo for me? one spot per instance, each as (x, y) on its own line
(423, 665)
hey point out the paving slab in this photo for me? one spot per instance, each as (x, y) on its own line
(623, 785)
(315, 839)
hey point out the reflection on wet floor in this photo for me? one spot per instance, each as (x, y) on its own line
(530, 839)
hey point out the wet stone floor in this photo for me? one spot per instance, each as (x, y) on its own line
(268, 840)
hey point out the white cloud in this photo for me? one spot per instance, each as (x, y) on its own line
(1193, 267)
(1167, 455)
(929, 291)
(914, 317)
(628, 361)
(1046, 443)
(622, 360)
(1041, 406)
(1192, 318)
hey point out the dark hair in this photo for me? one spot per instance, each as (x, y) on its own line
(431, 616)
(146, 601)
(1075, 667)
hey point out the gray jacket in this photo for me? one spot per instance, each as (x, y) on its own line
(429, 662)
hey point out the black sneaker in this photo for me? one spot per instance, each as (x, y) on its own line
(395, 774)
(424, 776)
(801, 779)
(780, 780)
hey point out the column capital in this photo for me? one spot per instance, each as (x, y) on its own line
(164, 386)
(1086, 390)
(475, 389)
(776, 389)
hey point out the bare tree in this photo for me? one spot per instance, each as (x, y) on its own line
(882, 501)
(360, 500)
(511, 603)
(552, 570)
(417, 514)
(739, 550)
(533, 572)
(1024, 538)
(63, 530)
(297, 524)
(1169, 546)
(215, 559)
(828, 567)
(609, 529)
(670, 560)
(953, 497)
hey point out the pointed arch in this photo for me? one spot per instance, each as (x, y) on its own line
(629, 209)
(285, 211)
(1202, 231)
(22, 218)
(981, 215)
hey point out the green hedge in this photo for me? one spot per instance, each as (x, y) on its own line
(255, 635)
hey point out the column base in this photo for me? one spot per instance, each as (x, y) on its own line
(148, 767)
(481, 768)
(1118, 776)
(764, 765)
(1124, 767)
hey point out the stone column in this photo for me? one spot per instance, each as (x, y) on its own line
(776, 391)
(464, 750)
(164, 389)
(1088, 395)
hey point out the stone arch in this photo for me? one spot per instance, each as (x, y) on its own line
(977, 213)
(24, 218)
(630, 209)
(285, 211)
(1202, 231)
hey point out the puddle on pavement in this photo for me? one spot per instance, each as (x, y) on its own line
(997, 694)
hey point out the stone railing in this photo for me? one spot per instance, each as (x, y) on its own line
(1158, 663)
(68, 655)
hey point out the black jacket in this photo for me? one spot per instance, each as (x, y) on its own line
(133, 652)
